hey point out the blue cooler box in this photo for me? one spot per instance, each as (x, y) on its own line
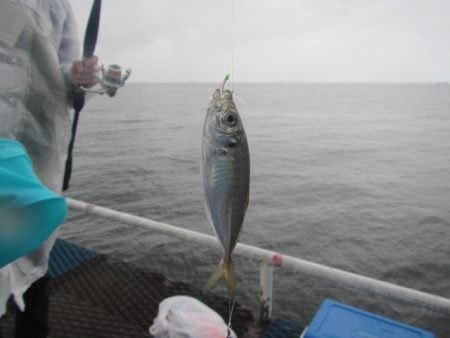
(335, 320)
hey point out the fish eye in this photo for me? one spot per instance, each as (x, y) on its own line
(230, 120)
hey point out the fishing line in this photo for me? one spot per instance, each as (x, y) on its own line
(232, 46)
(231, 303)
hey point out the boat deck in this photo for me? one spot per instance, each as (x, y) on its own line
(95, 296)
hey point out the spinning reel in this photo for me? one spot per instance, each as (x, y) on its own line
(110, 80)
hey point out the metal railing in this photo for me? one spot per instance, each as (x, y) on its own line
(270, 259)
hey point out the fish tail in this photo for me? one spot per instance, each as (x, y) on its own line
(230, 278)
(225, 271)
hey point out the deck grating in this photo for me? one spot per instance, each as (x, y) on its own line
(94, 296)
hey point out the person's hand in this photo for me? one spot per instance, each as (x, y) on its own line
(84, 72)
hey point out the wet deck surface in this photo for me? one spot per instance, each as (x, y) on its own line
(94, 296)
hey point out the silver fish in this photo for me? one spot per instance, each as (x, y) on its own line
(226, 179)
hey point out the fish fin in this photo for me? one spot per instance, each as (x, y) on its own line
(215, 277)
(230, 278)
(225, 271)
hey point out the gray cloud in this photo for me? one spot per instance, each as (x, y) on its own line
(283, 40)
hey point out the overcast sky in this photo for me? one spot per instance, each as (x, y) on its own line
(275, 40)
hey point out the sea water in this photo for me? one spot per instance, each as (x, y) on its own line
(354, 176)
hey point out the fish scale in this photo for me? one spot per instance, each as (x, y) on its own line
(221, 184)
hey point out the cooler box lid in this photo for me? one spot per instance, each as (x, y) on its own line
(336, 320)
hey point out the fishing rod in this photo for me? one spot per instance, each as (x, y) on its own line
(110, 81)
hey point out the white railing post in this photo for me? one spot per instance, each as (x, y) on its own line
(265, 293)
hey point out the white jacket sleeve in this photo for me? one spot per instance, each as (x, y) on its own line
(35, 59)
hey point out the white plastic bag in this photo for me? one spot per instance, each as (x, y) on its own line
(186, 317)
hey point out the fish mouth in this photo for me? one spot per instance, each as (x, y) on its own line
(227, 94)
(224, 94)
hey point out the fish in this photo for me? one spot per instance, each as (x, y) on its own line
(225, 172)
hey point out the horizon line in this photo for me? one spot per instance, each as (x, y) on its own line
(299, 82)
